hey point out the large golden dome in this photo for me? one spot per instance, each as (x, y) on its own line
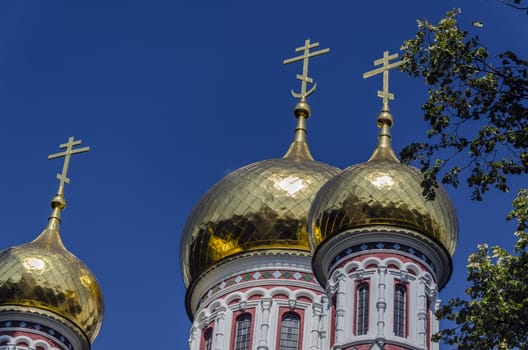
(43, 274)
(261, 206)
(382, 191)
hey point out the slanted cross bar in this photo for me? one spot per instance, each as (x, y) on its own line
(63, 179)
(385, 94)
(304, 78)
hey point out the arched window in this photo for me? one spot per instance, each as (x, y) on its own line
(208, 339)
(399, 309)
(289, 331)
(362, 310)
(243, 332)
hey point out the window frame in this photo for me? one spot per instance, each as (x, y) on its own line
(282, 314)
(236, 316)
(207, 343)
(399, 315)
(365, 307)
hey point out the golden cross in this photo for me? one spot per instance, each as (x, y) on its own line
(385, 94)
(304, 78)
(63, 179)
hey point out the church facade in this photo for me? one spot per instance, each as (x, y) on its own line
(282, 254)
(291, 253)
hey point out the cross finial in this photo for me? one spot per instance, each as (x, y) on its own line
(63, 179)
(304, 78)
(385, 94)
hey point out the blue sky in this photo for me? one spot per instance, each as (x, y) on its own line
(171, 96)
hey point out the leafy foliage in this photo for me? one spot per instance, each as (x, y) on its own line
(477, 106)
(497, 314)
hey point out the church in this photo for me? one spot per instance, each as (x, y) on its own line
(292, 253)
(283, 254)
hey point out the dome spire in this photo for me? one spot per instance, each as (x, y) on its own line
(299, 147)
(58, 203)
(385, 120)
(43, 278)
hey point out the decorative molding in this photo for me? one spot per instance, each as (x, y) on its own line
(203, 290)
(380, 247)
(30, 315)
(348, 245)
(244, 280)
(35, 328)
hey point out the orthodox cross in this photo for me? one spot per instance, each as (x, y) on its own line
(385, 94)
(304, 78)
(63, 179)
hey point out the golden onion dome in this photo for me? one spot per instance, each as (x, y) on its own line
(382, 191)
(261, 206)
(44, 275)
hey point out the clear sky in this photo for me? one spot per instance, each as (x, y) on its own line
(173, 95)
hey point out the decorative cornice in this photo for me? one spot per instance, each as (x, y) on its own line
(372, 247)
(27, 310)
(268, 258)
(277, 275)
(36, 328)
(437, 259)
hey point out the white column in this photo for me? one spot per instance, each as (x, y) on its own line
(434, 323)
(219, 328)
(422, 313)
(381, 304)
(317, 310)
(265, 324)
(340, 308)
(193, 344)
(324, 322)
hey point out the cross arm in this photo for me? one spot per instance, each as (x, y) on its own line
(65, 153)
(310, 55)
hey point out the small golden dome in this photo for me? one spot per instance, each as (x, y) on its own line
(261, 206)
(43, 274)
(382, 193)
